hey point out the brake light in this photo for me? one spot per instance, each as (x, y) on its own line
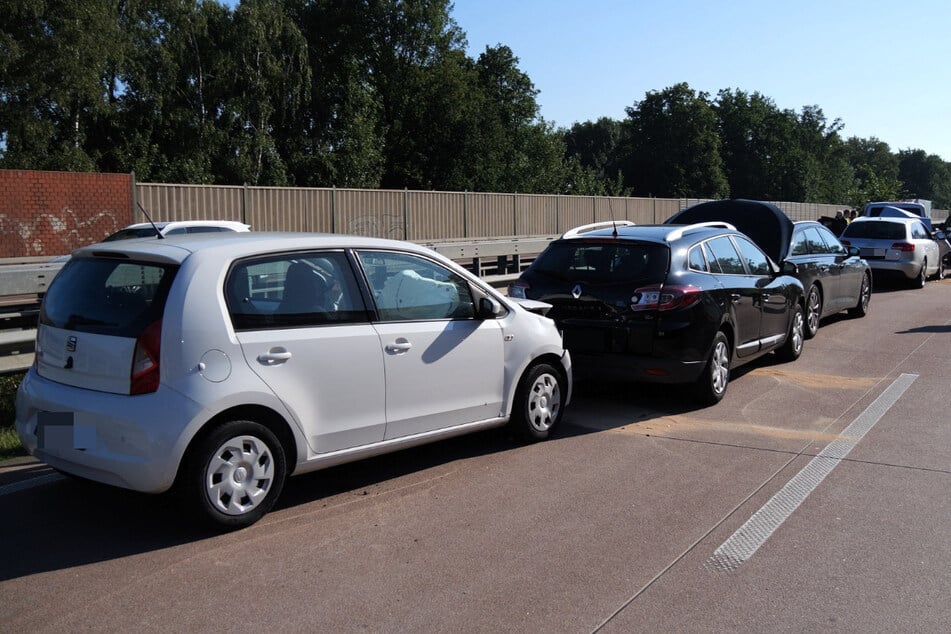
(517, 289)
(145, 360)
(665, 297)
(907, 247)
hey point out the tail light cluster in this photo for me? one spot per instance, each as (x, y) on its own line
(665, 297)
(145, 360)
(906, 247)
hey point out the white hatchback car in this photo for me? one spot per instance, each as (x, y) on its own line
(218, 366)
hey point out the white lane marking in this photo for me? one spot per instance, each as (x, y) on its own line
(754, 533)
(30, 483)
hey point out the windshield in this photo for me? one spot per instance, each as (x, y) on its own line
(107, 296)
(605, 262)
(875, 230)
(129, 234)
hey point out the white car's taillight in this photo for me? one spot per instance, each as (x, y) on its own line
(145, 360)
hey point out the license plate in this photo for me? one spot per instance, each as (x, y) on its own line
(58, 430)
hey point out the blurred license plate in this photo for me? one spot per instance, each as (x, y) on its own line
(585, 339)
(57, 430)
(870, 252)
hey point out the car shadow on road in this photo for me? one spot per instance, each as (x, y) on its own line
(66, 523)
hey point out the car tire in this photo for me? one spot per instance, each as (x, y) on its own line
(712, 383)
(233, 475)
(865, 296)
(813, 311)
(922, 277)
(539, 402)
(792, 347)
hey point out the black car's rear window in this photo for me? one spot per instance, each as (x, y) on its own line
(105, 296)
(882, 230)
(607, 261)
(131, 234)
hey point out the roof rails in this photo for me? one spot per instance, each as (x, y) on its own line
(571, 233)
(680, 232)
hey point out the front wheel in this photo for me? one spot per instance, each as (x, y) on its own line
(939, 274)
(538, 404)
(865, 296)
(234, 475)
(712, 382)
(792, 348)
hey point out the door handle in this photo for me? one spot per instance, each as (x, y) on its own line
(274, 356)
(399, 346)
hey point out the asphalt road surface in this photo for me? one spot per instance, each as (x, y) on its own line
(814, 497)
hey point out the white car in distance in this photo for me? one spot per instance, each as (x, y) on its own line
(220, 365)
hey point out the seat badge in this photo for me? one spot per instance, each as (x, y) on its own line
(576, 291)
(71, 344)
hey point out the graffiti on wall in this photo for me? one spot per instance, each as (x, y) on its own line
(56, 233)
(377, 226)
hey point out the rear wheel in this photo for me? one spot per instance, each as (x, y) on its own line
(813, 311)
(712, 382)
(538, 402)
(234, 475)
(865, 296)
(791, 350)
(919, 281)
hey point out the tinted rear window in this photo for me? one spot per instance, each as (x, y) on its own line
(875, 230)
(609, 261)
(109, 297)
(131, 234)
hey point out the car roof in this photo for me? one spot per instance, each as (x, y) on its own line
(660, 234)
(176, 249)
(172, 224)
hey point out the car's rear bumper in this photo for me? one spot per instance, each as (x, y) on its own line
(132, 442)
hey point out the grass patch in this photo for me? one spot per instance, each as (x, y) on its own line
(9, 441)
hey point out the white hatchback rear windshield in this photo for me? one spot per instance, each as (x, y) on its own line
(107, 296)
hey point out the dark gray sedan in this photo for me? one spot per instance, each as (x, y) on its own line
(833, 276)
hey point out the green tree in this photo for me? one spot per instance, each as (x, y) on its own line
(58, 63)
(925, 176)
(672, 146)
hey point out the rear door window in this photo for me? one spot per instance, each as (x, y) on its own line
(294, 290)
(726, 256)
(107, 296)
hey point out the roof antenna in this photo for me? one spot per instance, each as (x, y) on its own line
(613, 219)
(158, 233)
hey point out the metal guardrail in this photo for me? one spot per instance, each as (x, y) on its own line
(24, 281)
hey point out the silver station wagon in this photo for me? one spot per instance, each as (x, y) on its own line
(219, 365)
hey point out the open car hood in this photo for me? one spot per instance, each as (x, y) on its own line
(763, 222)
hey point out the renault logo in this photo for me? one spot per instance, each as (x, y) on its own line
(71, 344)
(576, 291)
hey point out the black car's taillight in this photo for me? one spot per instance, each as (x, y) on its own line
(665, 297)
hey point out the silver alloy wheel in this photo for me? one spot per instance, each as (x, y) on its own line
(720, 367)
(239, 475)
(866, 293)
(544, 402)
(798, 327)
(813, 309)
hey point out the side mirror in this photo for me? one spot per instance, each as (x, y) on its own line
(789, 268)
(489, 309)
(855, 251)
(940, 235)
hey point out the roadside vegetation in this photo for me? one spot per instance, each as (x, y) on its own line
(9, 443)
(385, 94)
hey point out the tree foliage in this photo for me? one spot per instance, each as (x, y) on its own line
(382, 93)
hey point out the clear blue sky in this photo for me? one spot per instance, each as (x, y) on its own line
(882, 67)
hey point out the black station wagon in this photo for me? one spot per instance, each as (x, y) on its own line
(666, 303)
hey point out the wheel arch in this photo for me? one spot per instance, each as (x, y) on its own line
(252, 412)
